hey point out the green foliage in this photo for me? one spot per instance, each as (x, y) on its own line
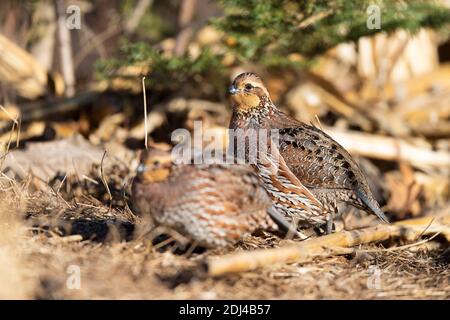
(270, 30)
(165, 72)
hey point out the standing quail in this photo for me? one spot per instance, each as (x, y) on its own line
(321, 168)
(214, 205)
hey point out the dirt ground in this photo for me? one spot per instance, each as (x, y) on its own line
(133, 270)
(71, 238)
(39, 263)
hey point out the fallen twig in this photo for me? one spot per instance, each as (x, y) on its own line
(67, 239)
(44, 109)
(406, 246)
(387, 148)
(21, 70)
(329, 245)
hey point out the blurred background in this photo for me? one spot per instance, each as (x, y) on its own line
(375, 75)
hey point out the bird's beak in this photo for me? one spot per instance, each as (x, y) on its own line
(141, 168)
(233, 90)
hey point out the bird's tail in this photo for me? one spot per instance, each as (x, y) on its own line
(372, 204)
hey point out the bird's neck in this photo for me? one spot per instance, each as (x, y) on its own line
(254, 117)
(266, 116)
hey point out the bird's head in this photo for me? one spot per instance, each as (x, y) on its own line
(248, 92)
(155, 166)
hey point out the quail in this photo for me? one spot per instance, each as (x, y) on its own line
(310, 160)
(214, 205)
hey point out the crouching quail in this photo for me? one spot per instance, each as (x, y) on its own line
(310, 160)
(214, 205)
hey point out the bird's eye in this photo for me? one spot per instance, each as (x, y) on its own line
(156, 163)
(248, 86)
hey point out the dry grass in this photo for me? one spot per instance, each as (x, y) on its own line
(36, 250)
(17, 281)
(134, 270)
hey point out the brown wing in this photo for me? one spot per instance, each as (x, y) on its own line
(239, 185)
(321, 163)
(317, 160)
(284, 180)
(216, 204)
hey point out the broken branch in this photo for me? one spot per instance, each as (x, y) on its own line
(329, 245)
(387, 148)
